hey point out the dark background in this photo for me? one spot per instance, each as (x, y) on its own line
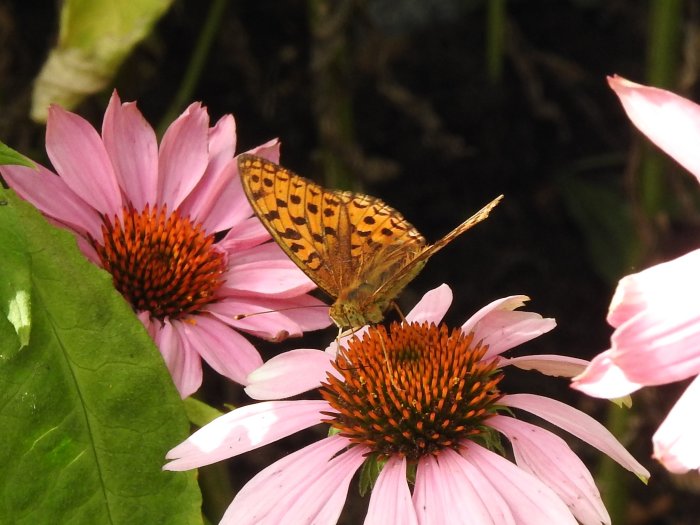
(395, 99)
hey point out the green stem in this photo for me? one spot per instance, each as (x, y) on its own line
(195, 65)
(612, 480)
(495, 34)
(665, 18)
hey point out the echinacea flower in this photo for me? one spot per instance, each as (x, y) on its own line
(423, 401)
(656, 312)
(149, 215)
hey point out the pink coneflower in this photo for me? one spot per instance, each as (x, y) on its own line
(423, 400)
(149, 215)
(656, 312)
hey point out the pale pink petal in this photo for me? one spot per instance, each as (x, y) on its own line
(289, 374)
(603, 378)
(265, 270)
(670, 121)
(548, 364)
(230, 205)
(269, 150)
(548, 457)
(390, 501)
(183, 156)
(530, 500)
(676, 440)
(244, 235)
(224, 349)
(668, 288)
(309, 486)
(462, 492)
(79, 157)
(432, 307)
(655, 348)
(502, 328)
(245, 429)
(133, 149)
(577, 423)
(180, 356)
(204, 196)
(50, 194)
(429, 492)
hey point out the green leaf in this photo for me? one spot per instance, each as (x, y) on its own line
(87, 409)
(199, 413)
(94, 39)
(10, 156)
(369, 473)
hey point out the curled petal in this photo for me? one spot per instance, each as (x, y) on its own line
(551, 365)
(502, 328)
(603, 378)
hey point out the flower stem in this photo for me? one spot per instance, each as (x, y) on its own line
(195, 65)
(495, 34)
(662, 60)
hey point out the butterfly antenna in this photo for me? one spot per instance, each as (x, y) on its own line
(398, 311)
(238, 317)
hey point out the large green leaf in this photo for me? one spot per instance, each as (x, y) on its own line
(87, 408)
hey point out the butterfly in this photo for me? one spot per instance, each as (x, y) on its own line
(356, 248)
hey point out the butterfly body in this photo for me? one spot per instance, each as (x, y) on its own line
(356, 248)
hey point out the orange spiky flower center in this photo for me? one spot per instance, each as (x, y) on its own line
(413, 390)
(161, 262)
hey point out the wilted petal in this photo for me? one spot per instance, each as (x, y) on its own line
(551, 365)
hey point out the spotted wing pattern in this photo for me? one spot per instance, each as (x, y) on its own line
(356, 248)
(335, 237)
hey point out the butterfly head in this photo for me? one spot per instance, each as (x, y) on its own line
(351, 314)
